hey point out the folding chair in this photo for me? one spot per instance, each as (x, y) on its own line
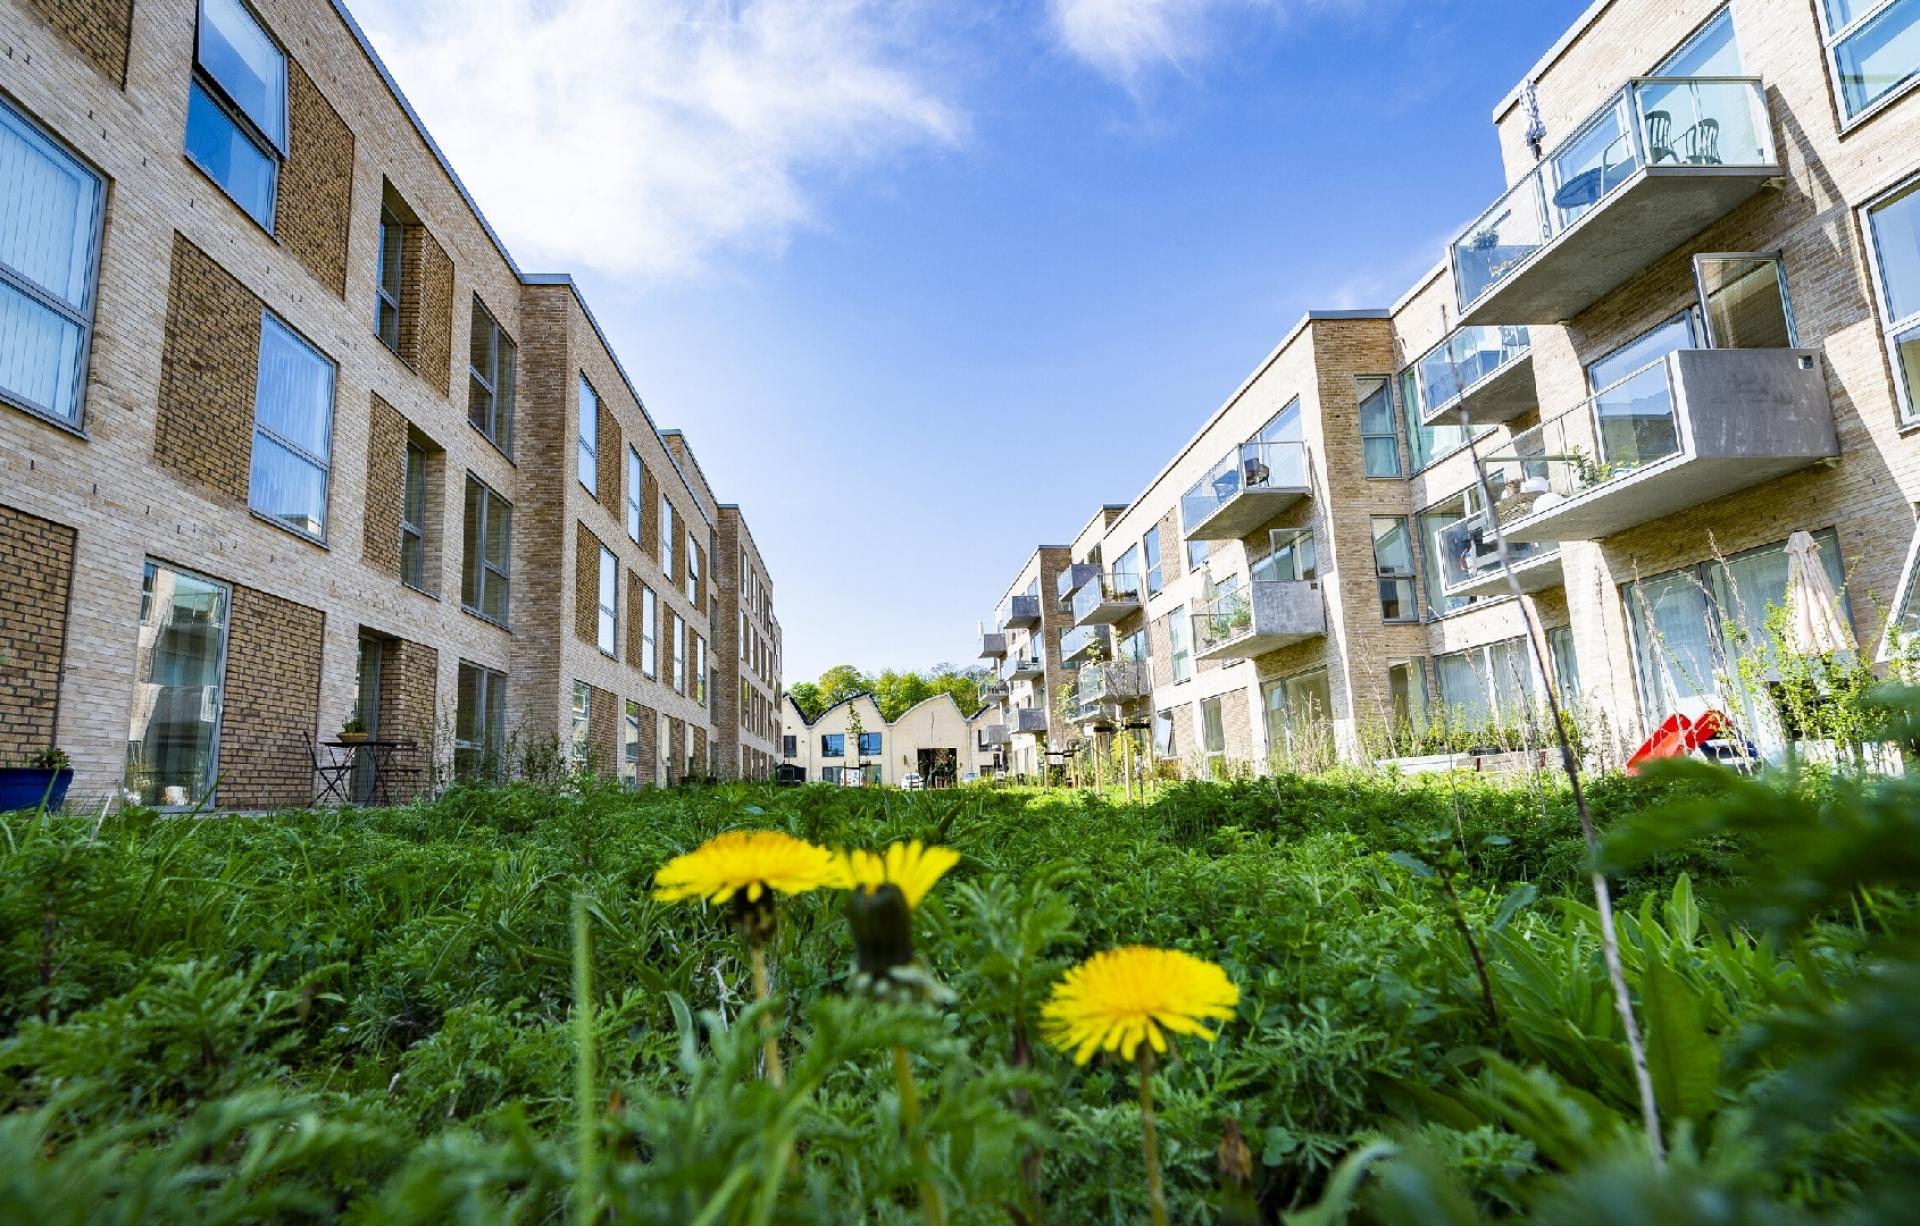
(335, 775)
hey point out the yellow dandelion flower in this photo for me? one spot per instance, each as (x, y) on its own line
(1119, 997)
(912, 867)
(746, 862)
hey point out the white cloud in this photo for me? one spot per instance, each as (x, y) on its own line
(1124, 39)
(643, 137)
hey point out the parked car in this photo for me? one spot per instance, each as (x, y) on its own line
(912, 781)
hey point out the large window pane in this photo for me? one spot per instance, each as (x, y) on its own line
(1744, 302)
(589, 457)
(49, 211)
(1896, 244)
(1713, 52)
(1880, 56)
(237, 53)
(1657, 342)
(171, 746)
(40, 355)
(244, 170)
(1673, 644)
(293, 439)
(288, 487)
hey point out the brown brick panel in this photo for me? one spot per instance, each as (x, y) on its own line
(612, 465)
(209, 360)
(650, 505)
(676, 751)
(586, 584)
(99, 29)
(635, 614)
(701, 764)
(316, 183)
(409, 675)
(272, 702)
(426, 306)
(649, 743)
(605, 714)
(386, 487)
(36, 573)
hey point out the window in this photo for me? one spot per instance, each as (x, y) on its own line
(1432, 522)
(693, 570)
(1197, 553)
(676, 639)
(1213, 730)
(1873, 49)
(649, 632)
(1379, 438)
(483, 571)
(589, 457)
(1486, 683)
(1655, 343)
(833, 745)
(490, 358)
(608, 627)
(1299, 714)
(1566, 666)
(869, 744)
(1128, 565)
(49, 255)
(386, 302)
(662, 752)
(1893, 225)
(1425, 443)
(699, 654)
(1163, 746)
(479, 727)
(631, 745)
(1133, 647)
(1150, 550)
(789, 746)
(413, 519)
(293, 431)
(1393, 565)
(179, 671)
(1743, 300)
(1289, 557)
(1180, 632)
(577, 740)
(237, 106)
(666, 537)
(1407, 696)
(1711, 52)
(635, 483)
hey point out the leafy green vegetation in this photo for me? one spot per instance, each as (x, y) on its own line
(893, 692)
(371, 1016)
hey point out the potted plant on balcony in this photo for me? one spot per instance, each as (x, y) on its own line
(45, 778)
(353, 732)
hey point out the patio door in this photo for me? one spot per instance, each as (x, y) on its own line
(367, 708)
(1743, 300)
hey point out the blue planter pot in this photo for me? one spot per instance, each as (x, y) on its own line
(24, 787)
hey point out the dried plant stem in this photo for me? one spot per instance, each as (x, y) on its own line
(1149, 1143)
(586, 1160)
(770, 1041)
(1602, 892)
(930, 1203)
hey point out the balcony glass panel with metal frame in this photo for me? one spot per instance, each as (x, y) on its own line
(1080, 642)
(1024, 667)
(1663, 158)
(1106, 599)
(1470, 559)
(1247, 618)
(1023, 613)
(1248, 487)
(1485, 373)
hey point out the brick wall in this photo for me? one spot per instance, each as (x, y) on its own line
(209, 360)
(386, 487)
(272, 702)
(36, 574)
(586, 584)
(635, 622)
(409, 675)
(676, 750)
(99, 29)
(605, 712)
(611, 464)
(649, 744)
(316, 183)
(703, 765)
(650, 503)
(426, 307)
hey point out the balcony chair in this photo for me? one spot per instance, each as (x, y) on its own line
(1660, 138)
(1700, 144)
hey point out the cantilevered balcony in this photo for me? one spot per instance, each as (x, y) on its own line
(1023, 613)
(1026, 719)
(1251, 618)
(1113, 681)
(1485, 373)
(994, 734)
(1080, 643)
(993, 691)
(1248, 487)
(1072, 577)
(1470, 560)
(1659, 162)
(993, 645)
(1691, 427)
(1106, 599)
(1024, 667)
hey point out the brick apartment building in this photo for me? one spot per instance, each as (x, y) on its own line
(287, 437)
(1688, 328)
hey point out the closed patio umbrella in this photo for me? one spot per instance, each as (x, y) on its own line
(1814, 622)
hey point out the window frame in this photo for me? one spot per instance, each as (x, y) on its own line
(153, 565)
(486, 679)
(580, 730)
(1392, 434)
(497, 381)
(1409, 577)
(80, 316)
(1830, 41)
(1178, 628)
(649, 633)
(324, 463)
(828, 747)
(666, 536)
(693, 569)
(630, 743)
(486, 573)
(1154, 577)
(413, 520)
(387, 299)
(1206, 733)
(587, 449)
(1163, 719)
(1906, 399)
(636, 484)
(275, 152)
(607, 623)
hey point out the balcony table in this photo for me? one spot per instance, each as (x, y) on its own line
(379, 756)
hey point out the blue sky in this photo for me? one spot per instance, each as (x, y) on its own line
(926, 281)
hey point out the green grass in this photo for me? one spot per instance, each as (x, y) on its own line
(372, 1015)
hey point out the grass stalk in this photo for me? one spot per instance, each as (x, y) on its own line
(1149, 1142)
(587, 1158)
(931, 1205)
(770, 1040)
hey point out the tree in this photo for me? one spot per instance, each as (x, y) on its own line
(806, 696)
(895, 693)
(840, 683)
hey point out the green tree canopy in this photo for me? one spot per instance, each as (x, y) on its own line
(893, 692)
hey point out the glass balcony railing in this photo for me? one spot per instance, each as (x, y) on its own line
(1225, 619)
(1021, 666)
(1470, 551)
(1652, 122)
(1023, 613)
(1250, 468)
(992, 691)
(1112, 681)
(1465, 358)
(1080, 642)
(1106, 598)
